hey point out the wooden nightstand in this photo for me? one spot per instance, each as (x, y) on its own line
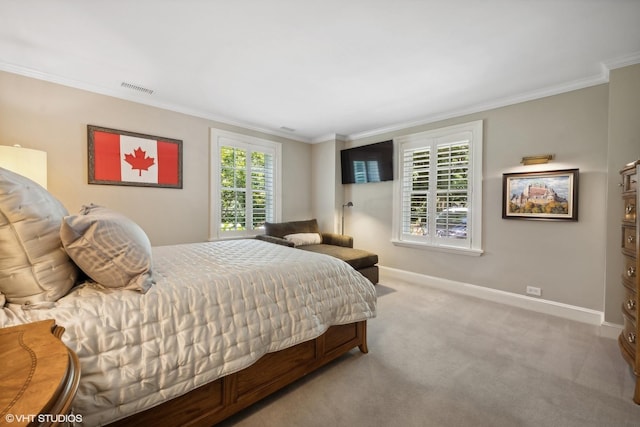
(39, 375)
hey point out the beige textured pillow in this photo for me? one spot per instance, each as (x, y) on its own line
(109, 247)
(34, 267)
(302, 239)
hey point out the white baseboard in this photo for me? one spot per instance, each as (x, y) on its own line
(611, 330)
(566, 311)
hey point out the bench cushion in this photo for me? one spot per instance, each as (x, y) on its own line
(356, 258)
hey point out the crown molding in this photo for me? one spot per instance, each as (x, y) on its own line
(328, 137)
(623, 61)
(490, 105)
(601, 78)
(145, 100)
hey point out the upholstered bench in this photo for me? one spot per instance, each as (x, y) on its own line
(306, 235)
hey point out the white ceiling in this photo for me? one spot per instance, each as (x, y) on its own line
(321, 67)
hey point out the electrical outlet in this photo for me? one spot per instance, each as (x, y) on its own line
(533, 291)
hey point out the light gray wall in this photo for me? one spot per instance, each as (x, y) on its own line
(323, 184)
(624, 147)
(54, 118)
(327, 194)
(565, 259)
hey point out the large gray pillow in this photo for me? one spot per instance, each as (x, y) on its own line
(34, 268)
(109, 247)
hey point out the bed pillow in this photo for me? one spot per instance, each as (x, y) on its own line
(302, 239)
(34, 268)
(109, 248)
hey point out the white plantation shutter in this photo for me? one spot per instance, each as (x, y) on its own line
(439, 191)
(453, 190)
(233, 194)
(415, 191)
(262, 200)
(246, 184)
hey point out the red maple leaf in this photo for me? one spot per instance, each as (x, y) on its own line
(139, 160)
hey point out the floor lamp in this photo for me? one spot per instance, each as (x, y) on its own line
(346, 205)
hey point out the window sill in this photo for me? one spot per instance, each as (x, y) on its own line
(447, 249)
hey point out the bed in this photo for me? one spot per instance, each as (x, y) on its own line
(204, 331)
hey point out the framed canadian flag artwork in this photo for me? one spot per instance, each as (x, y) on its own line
(118, 157)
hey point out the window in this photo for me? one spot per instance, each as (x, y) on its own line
(438, 196)
(245, 184)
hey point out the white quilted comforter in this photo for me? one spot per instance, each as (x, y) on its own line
(216, 308)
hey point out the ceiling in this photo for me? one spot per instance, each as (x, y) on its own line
(321, 68)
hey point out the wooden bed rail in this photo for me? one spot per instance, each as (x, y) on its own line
(218, 400)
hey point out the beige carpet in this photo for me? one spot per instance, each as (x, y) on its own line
(442, 359)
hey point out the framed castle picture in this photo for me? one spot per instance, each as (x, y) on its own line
(549, 195)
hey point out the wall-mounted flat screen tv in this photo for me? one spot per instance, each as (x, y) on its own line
(367, 163)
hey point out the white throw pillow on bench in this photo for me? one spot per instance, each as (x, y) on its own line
(302, 239)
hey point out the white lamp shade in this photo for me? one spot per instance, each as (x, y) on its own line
(26, 162)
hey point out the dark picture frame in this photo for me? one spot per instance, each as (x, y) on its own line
(547, 195)
(118, 157)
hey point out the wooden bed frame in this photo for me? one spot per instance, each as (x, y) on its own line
(213, 402)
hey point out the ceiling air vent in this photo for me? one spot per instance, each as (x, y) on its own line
(136, 87)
